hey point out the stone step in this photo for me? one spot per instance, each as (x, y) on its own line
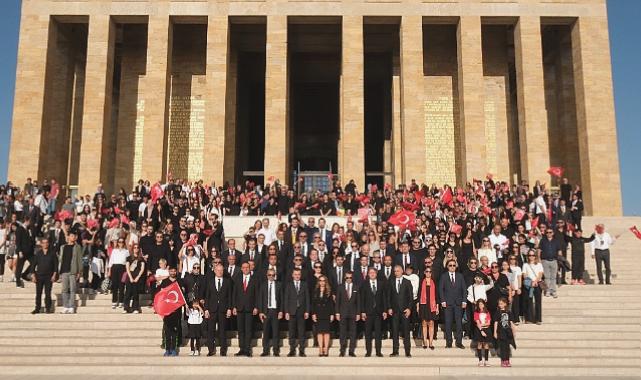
(441, 352)
(419, 358)
(367, 368)
(155, 341)
(131, 322)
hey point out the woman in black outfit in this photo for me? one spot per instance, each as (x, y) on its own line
(322, 314)
(427, 307)
(501, 288)
(467, 248)
(135, 268)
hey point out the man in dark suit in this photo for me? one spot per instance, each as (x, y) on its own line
(361, 271)
(453, 295)
(218, 302)
(324, 233)
(337, 273)
(296, 306)
(251, 253)
(245, 309)
(25, 243)
(270, 307)
(232, 270)
(231, 251)
(291, 234)
(347, 313)
(373, 311)
(400, 309)
(272, 263)
(405, 258)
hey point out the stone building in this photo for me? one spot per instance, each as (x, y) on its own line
(381, 91)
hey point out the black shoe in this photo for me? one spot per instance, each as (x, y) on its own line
(49, 311)
(35, 311)
(408, 355)
(379, 355)
(291, 354)
(432, 348)
(352, 355)
(448, 345)
(342, 354)
(302, 354)
(393, 354)
(459, 345)
(211, 353)
(223, 353)
(277, 354)
(240, 353)
(264, 354)
(249, 354)
(368, 354)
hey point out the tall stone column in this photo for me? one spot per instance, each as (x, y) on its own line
(352, 140)
(156, 90)
(96, 119)
(471, 99)
(412, 98)
(397, 132)
(215, 137)
(277, 149)
(28, 108)
(533, 123)
(596, 124)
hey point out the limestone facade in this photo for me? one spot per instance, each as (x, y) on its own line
(108, 92)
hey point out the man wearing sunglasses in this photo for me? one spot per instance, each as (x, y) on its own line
(453, 295)
(550, 249)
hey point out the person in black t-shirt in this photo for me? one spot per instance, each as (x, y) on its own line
(504, 330)
(45, 267)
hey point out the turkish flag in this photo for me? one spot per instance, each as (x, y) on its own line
(402, 218)
(92, 223)
(456, 228)
(555, 171)
(518, 214)
(447, 196)
(63, 215)
(636, 232)
(124, 219)
(330, 176)
(535, 222)
(168, 299)
(156, 192)
(271, 178)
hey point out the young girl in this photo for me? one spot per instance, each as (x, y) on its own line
(504, 331)
(194, 323)
(482, 322)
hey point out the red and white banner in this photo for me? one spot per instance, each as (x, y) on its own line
(168, 299)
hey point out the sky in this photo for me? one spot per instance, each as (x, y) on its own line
(624, 16)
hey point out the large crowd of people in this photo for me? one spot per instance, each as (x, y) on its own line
(475, 260)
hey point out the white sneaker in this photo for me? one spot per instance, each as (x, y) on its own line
(193, 353)
(197, 353)
(63, 311)
(136, 312)
(114, 305)
(120, 305)
(1, 278)
(13, 279)
(124, 311)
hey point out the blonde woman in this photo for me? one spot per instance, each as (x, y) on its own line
(323, 310)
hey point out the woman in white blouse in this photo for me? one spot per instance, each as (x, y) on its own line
(487, 251)
(532, 280)
(516, 280)
(115, 270)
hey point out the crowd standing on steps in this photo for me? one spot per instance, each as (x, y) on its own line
(474, 260)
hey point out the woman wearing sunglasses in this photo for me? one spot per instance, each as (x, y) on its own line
(500, 289)
(532, 280)
(427, 307)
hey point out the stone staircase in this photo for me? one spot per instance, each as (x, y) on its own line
(589, 331)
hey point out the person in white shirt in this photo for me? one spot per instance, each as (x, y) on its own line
(115, 270)
(601, 252)
(486, 250)
(194, 327)
(269, 234)
(532, 280)
(498, 239)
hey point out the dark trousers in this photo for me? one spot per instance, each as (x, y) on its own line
(245, 321)
(2, 261)
(296, 330)
(43, 282)
(504, 349)
(132, 300)
(400, 326)
(533, 311)
(117, 287)
(578, 265)
(347, 330)
(216, 331)
(271, 330)
(171, 325)
(453, 314)
(21, 273)
(602, 257)
(516, 306)
(373, 330)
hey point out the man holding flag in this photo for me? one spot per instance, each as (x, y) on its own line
(168, 304)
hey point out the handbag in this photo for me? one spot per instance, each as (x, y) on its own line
(105, 285)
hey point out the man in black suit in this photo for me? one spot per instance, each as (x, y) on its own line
(272, 263)
(296, 306)
(347, 313)
(270, 307)
(361, 271)
(373, 311)
(400, 309)
(337, 273)
(232, 270)
(251, 253)
(405, 258)
(245, 309)
(231, 251)
(25, 243)
(453, 295)
(218, 301)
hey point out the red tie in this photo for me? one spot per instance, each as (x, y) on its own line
(245, 285)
